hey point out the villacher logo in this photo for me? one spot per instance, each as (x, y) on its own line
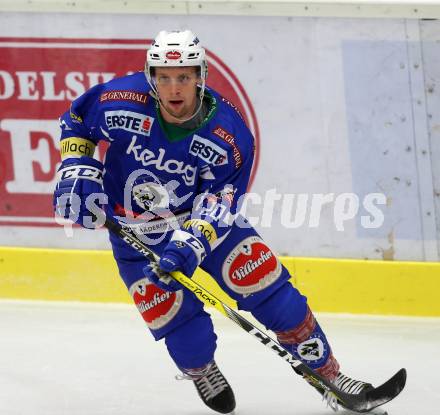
(251, 266)
(158, 307)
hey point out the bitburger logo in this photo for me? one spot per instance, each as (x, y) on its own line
(251, 266)
(157, 307)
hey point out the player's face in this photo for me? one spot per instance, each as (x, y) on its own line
(177, 89)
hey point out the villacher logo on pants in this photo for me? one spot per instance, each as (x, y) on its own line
(157, 307)
(251, 266)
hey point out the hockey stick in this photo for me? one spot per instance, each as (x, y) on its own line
(365, 403)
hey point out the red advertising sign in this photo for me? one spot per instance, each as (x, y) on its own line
(39, 77)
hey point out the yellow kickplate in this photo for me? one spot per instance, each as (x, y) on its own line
(331, 285)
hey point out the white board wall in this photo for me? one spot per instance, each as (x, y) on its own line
(344, 106)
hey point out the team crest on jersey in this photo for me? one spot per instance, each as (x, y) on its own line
(157, 307)
(150, 196)
(129, 121)
(208, 151)
(251, 266)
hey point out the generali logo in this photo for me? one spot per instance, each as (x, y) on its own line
(38, 80)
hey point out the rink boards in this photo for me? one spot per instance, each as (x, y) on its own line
(332, 285)
(352, 112)
(346, 121)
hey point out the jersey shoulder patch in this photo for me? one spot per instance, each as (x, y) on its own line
(227, 137)
(132, 88)
(228, 127)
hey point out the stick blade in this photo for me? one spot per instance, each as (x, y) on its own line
(382, 394)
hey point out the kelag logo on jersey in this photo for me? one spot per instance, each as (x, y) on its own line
(37, 84)
(129, 121)
(160, 162)
(208, 151)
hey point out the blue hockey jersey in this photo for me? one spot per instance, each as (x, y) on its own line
(149, 175)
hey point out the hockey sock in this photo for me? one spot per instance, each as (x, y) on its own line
(309, 344)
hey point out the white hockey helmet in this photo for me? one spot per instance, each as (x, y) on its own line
(173, 49)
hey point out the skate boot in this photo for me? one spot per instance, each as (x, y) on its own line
(212, 387)
(345, 384)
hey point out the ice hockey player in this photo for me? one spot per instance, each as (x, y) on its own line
(179, 160)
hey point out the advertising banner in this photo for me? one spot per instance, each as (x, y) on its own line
(344, 112)
(39, 78)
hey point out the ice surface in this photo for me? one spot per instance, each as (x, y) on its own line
(86, 359)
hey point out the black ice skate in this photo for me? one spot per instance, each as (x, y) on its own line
(345, 384)
(212, 387)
